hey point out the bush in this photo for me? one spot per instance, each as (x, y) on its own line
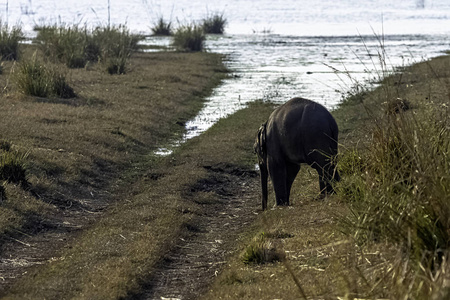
(214, 24)
(162, 28)
(9, 41)
(189, 38)
(34, 78)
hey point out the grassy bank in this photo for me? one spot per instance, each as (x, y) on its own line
(384, 234)
(81, 154)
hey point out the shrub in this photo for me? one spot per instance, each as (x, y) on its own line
(189, 38)
(34, 78)
(214, 24)
(162, 28)
(9, 41)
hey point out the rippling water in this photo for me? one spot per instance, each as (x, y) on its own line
(276, 49)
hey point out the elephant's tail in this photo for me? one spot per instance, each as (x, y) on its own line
(260, 145)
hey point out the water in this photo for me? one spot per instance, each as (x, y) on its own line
(276, 49)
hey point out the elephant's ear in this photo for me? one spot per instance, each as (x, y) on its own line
(260, 145)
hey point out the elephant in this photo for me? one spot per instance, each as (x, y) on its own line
(299, 131)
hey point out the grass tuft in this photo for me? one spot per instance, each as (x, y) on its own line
(35, 78)
(13, 167)
(116, 44)
(261, 251)
(9, 41)
(5, 145)
(162, 28)
(214, 24)
(189, 38)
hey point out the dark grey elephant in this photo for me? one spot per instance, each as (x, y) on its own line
(299, 131)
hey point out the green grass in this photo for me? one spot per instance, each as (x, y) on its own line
(9, 41)
(189, 38)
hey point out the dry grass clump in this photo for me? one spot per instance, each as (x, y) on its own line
(261, 250)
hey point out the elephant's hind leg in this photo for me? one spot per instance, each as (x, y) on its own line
(278, 174)
(292, 171)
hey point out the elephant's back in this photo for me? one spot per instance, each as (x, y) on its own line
(300, 114)
(304, 125)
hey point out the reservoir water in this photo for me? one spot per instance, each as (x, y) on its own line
(275, 49)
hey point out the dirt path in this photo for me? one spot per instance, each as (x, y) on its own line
(187, 270)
